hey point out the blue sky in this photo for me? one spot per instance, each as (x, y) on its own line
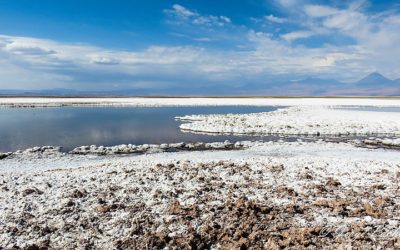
(110, 45)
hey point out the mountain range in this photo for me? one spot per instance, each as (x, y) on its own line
(374, 84)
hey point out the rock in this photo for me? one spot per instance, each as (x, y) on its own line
(33, 247)
(78, 194)
(29, 191)
(332, 183)
(5, 155)
(164, 146)
(102, 208)
(379, 186)
(177, 145)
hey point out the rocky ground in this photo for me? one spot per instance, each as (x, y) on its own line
(266, 196)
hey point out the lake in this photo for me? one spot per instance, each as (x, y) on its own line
(69, 127)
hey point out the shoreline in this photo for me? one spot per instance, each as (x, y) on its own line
(372, 141)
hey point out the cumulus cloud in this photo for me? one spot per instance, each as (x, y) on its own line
(376, 34)
(181, 11)
(34, 62)
(347, 25)
(71, 65)
(77, 65)
(274, 56)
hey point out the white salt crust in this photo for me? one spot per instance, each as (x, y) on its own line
(159, 102)
(306, 120)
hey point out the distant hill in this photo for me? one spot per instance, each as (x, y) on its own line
(314, 80)
(377, 84)
(375, 80)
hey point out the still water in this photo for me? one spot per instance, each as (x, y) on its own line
(70, 127)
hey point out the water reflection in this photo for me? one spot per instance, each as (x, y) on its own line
(74, 126)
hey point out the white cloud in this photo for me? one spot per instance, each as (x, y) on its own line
(28, 50)
(287, 3)
(185, 15)
(375, 35)
(275, 19)
(273, 56)
(225, 19)
(105, 60)
(33, 62)
(330, 59)
(203, 39)
(324, 61)
(182, 11)
(77, 65)
(297, 35)
(347, 21)
(74, 64)
(319, 10)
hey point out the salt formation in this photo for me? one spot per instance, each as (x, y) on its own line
(297, 121)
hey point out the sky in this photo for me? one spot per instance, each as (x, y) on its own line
(161, 44)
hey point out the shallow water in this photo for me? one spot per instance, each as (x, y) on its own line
(70, 127)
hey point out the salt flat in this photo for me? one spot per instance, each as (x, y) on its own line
(263, 194)
(268, 195)
(157, 102)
